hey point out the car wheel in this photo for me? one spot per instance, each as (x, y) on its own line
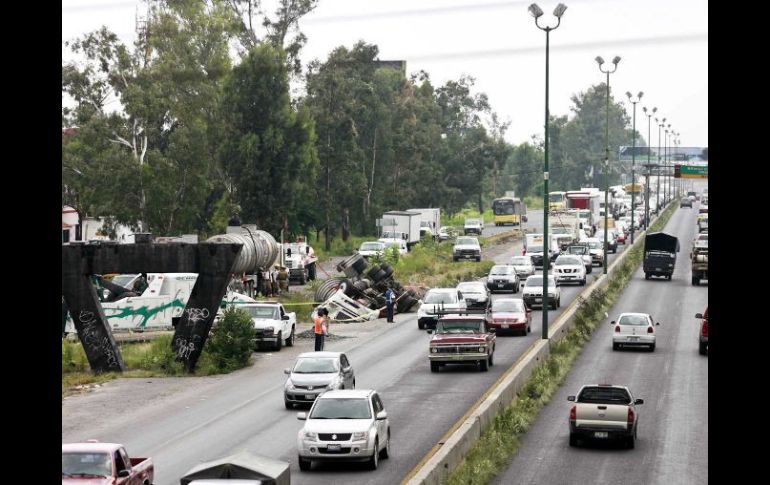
(420, 325)
(516, 288)
(478, 259)
(279, 342)
(646, 276)
(374, 461)
(652, 348)
(484, 365)
(583, 283)
(631, 442)
(615, 346)
(290, 340)
(354, 384)
(288, 404)
(385, 453)
(434, 366)
(573, 439)
(454, 259)
(304, 464)
(529, 329)
(702, 348)
(558, 303)
(695, 281)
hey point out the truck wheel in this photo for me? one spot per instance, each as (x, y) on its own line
(583, 283)
(311, 272)
(304, 464)
(695, 281)
(303, 278)
(287, 404)
(573, 440)
(615, 346)
(278, 343)
(434, 366)
(631, 442)
(290, 340)
(491, 359)
(388, 269)
(646, 276)
(373, 271)
(478, 259)
(420, 325)
(702, 348)
(454, 259)
(484, 364)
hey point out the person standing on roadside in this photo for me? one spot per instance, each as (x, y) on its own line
(390, 297)
(321, 328)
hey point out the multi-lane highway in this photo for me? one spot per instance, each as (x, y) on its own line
(672, 444)
(201, 419)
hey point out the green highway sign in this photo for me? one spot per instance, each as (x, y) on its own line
(691, 171)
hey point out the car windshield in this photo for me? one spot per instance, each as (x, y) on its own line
(501, 270)
(394, 244)
(508, 305)
(538, 281)
(467, 240)
(595, 245)
(576, 250)
(472, 222)
(638, 320)
(471, 287)
(604, 395)
(96, 464)
(434, 297)
(459, 326)
(123, 279)
(266, 312)
(341, 408)
(372, 246)
(535, 249)
(583, 214)
(315, 366)
(703, 237)
(561, 260)
(521, 261)
(555, 197)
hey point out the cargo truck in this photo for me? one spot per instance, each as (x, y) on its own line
(405, 222)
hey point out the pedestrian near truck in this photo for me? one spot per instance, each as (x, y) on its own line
(321, 328)
(390, 297)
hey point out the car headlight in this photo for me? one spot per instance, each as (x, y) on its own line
(269, 329)
(311, 436)
(334, 384)
(482, 348)
(289, 384)
(359, 435)
(433, 350)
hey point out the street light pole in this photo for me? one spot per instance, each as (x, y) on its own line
(647, 179)
(633, 158)
(537, 12)
(660, 125)
(600, 61)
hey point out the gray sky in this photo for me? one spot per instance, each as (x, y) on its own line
(663, 45)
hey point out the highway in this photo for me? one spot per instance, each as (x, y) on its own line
(672, 444)
(202, 419)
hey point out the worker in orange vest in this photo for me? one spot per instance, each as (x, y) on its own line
(321, 328)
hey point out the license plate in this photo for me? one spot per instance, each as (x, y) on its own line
(500, 285)
(633, 339)
(505, 325)
(658, 269)
(310, 396)
(538, 299)
(601, 434)
(337, 447)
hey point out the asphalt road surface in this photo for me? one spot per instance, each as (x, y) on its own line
(672, 444)
(208, 418)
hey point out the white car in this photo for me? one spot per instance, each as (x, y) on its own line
(315, 373)
(596, 248)
(443, 233)
(634, 330)
(473, 226)
(466, 248)
(523, 265)
(570, 269)
(438, 299)
(344, 425)
(272, 323)
(533, 291)
(399, 244)
(370, 249)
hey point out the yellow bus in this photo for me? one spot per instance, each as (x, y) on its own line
(557, 201)
(508, 210)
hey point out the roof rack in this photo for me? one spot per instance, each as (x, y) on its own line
(441, 311)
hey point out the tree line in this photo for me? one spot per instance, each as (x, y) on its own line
(197, 121)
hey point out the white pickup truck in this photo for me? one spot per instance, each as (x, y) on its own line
(273, 325)
(604, 412)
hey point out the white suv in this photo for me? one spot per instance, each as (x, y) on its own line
(348, 425)
(533, 291)
(439, 299)
(570, 269)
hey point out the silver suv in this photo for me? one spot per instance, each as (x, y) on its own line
(315, 373)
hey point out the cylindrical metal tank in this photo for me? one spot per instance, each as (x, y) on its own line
(260, 250)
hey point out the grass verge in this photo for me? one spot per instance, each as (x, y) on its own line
(501, 439)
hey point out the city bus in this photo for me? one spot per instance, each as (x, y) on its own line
(508, 210)
(557, 201)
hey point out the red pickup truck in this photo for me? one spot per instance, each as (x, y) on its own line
(96, 463)
(462, 339)
(703, 336)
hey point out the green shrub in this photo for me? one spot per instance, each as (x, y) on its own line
(231, 341)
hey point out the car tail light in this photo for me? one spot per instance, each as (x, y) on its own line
(704, 329)
(524, 252)
(630, 416)
(573, 413)
(650, 330)
(617, 328)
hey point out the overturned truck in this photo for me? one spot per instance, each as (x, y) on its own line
(360, 294)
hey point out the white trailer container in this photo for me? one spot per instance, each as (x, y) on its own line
(430, 220)
(405, 222)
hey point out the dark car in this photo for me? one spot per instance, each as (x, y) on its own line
(686, 202)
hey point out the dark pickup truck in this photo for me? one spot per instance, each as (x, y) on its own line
(659, 255)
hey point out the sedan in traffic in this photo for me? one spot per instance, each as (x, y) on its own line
(503, 277)
(315, 373)
(634, 330)
(510, 315)
(475, 293)
(523, 266)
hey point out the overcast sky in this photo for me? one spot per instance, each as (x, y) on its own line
(663, 45)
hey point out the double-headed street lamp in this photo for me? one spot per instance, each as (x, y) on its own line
(633, 158)
(600, 61)
(661, 124)
(649, 153)
(537, 12)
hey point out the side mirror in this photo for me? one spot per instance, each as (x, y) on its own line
(612, 322)
(571, 398)
(285, 317)
(639, 401)
(657, 323)
(287, 371)
(429, 331)
(382, 415)
(698, 315)
(124, 473)
(302, 416)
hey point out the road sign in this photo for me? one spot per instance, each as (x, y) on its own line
(691, 171)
